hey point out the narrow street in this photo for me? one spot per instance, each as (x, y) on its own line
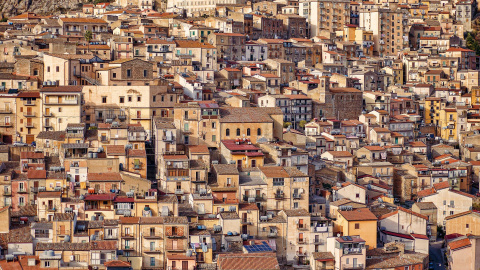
(436, 255)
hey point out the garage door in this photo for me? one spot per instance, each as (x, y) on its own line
(30, 139)
(7, 139)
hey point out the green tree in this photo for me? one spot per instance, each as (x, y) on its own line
(302, 123)
(287, 124)
(88, 37)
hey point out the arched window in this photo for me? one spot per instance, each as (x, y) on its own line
(259, 132)
(227, 132)
(248, 131)
(238, 132)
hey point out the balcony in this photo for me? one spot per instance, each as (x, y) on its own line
(150, 235)
(302, 227)
(7, 193)
(352, 251)
(5, 124)
(179, 192)
(175, 236)
(34, 189)
(47, 114)
(29, 125)
(137, 138)
(4, 111)
(302, 241)
(279, 196)
(129, 247)
(348, 266)
(29, 103)
(302, 254)
(128, 235)
(297, 196)
(156, 250)
(51, 208)
(246, 221)
(22, 190)
(122, 117)
(63, 232)
(110, 237)
(272, 234)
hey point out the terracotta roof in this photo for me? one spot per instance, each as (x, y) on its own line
(358, 214)
(115, 150)
(240, 261)
(104, 245)
(461, 243)
(425, 192)
(404, 210)
(441, 185)
(338, 154)
(226, 169)
(36, 174)
(137, 153)
(69, 88)
(83, 20)
(117, 263)
(31, 155)
(274, 172)
(323, 256)
(201, 148)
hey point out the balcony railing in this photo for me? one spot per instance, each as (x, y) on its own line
(352, 251)
(28, 103)
(5, 110)
(302, 253)
(128, 235)
(63, 232)
(156, 250)
(302, 227)
(5, 124)
(150, 235)
(302, 241)
(7, 193)
(279, 196)
(110, 237)
(350, 266)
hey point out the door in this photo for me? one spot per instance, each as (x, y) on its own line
(7, 139)
(244, 217)
(174, 245)
(29, 111)
(30, 138)
(62, 227)
(29, 123)
(354, 262)
(184, 265)
(396, 140)
(254, 163)
(152, 246)
(239, 163)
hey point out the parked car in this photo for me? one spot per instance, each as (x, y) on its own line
(19, 144)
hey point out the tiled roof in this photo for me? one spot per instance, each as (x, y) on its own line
(32, 155)
(358, 214)
(463, 242)
(104, 245)
(323, 256)
(226, 169)
(63, 246)
(117, 263)
(425, 205)
(239, 261)
(296, 213)
(274, 172)
(36, 174)
(115, 150)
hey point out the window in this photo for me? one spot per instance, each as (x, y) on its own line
(357, 226)
(48, 69)
(129, 98)
(152, 261)
(129, 73)
(259, 132)
(214, 138)
(467, 225)
(57, 69)
(104, 99)
(114, 75)
(278, 181)
(145, 73)
(238, 132)
(21, 201)
(248, 131)
(227, 132)
(214, 125)
(154, 98)
(295, 205)
(122, 99)
(139, 98)
(47, 264)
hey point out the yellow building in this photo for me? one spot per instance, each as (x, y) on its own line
(448, 124)
(29, 120)
(360, 222)
(432, 110)
(7, 117)
(60, 105)
(476, 96)
(463, 223)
